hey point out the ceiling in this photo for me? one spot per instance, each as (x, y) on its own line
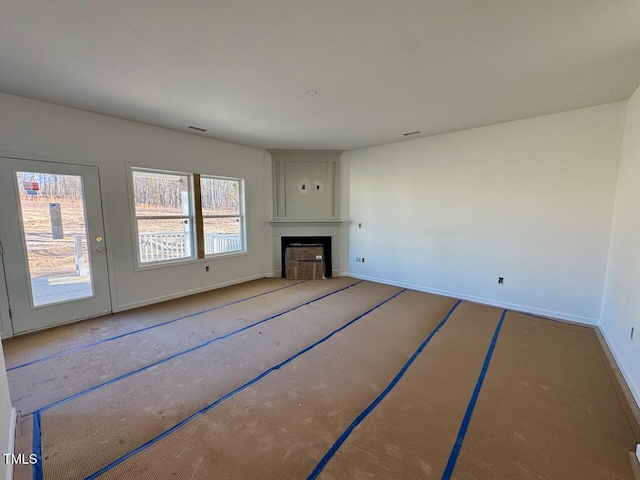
(240, 68)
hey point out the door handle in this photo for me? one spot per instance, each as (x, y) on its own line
(100, 248)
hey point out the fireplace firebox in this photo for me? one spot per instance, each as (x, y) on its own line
(324, 241)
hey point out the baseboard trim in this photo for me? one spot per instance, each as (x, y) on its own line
(164, 298)
(634, 393)
(485, 301)
(12, 441)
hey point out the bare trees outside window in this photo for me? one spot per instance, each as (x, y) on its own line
(172, 226)
(223, 218)
(164, 219)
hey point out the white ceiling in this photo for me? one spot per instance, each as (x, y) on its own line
(240, 68)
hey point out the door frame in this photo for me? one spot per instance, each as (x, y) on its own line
(6, 324)
(5, 302)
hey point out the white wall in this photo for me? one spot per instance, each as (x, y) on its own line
(344, 184)
(529, 200)
(621, 301)
(58, 133)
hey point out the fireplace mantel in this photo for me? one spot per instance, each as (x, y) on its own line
(306, 223)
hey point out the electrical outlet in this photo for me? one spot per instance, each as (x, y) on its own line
(362, 259)
(359, 225)
(206, 269)
(500, 279)
(358, 259)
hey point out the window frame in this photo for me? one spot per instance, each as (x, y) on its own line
(140, 265)
(241, 216)
(196, 217)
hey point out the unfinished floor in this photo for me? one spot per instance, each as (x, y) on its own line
(331, 379)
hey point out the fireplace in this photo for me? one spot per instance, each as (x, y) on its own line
(324, 241)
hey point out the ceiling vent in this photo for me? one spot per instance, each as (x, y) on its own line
(196, 128)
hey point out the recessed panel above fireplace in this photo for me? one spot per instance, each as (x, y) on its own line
(305, 185)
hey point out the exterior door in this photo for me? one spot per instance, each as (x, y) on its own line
(53, 248)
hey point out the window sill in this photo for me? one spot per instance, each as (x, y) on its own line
(141, 267)
(215, 256)
(187, 261)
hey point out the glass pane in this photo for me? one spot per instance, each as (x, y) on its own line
(55, 237)
(164, 239)
(160, 194)
(220, 197)
(222, 235)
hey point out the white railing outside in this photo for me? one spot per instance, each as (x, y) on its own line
(216, 243)
(164, 246)
(167, 245)
(78, 253)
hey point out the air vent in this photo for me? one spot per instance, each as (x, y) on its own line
(411, 133)
(196, 128)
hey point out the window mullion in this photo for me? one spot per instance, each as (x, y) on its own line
(199, 223)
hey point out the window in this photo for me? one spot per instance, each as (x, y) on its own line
(164, 218)
(171, 225)
(222, 215)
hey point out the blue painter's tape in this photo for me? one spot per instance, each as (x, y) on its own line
(37, 447)
(189, 350)
(93, 344)
(37, 433)
(338, 443)
(209, 407)
(457, 446)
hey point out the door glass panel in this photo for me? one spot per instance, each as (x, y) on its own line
(55, 237)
